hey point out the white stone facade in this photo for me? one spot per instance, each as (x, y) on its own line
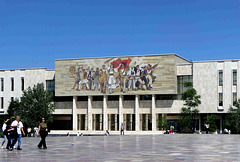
(30, 77)
(136, 111)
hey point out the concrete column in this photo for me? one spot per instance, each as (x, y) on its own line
(86, 122)
(120, 112)
(141, 122)
(146, 128)
(101, 122)
(115, 122)
(137, 113)
(154, 127)
(105, 121)
(163, 117)
(131, 121)
(109, 122)
(200, 128)
(74, 113)
(221, 126)
(90, 113)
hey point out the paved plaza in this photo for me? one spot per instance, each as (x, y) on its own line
(130, 148)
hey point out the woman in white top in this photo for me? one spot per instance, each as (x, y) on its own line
(4, 136)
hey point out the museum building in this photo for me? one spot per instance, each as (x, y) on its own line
(97, 94)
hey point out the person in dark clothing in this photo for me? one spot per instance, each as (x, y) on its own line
(43, 133)
(9, 131)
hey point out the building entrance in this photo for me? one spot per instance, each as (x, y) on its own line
(113, 122)
(129, 122)
(97, 121)
(145, 122)
(82, 122)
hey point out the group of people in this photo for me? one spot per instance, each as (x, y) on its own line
(120, 73)
(13, 130)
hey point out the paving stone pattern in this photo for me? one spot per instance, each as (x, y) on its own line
(130, 148)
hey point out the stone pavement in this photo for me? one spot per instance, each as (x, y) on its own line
(130, 148)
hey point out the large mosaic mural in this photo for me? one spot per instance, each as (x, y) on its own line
(152, 74)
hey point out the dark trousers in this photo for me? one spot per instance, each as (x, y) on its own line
(145, 82)
(43, 135)
(9, 144)
(207, 130)
(122, 132)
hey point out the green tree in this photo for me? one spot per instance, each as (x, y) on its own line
(211, 120)
(233, 118)
(35, 103)
(12, 108)
(186, 120)
(163, 123)
(191, 101)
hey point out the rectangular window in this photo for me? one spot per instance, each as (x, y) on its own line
(22, 81)
(128, 97)
(220, 99)
(12, 84)
(12, 98)
(113, 98)
(234, 98)
(145, 97)
(180, 81)
(220, 76)
(97, 98)
(234, 77)
(2, 84)
(2, 102)
(51, 85)
(82, 98)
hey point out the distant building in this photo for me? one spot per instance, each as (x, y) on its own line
(98, 94)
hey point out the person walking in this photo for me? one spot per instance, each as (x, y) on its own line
(19, 125)
(9, 133)
(122, 129)
(207, 127)
(173, 129)
(43, 133)
(36, 131)
(4, 135)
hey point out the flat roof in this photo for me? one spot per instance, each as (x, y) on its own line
(23, 69)
(227, 60)
(123, 56)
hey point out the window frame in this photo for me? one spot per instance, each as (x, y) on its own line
(2, 84)
(12, 83)
(234, 77)
(220, 80)
(220, 102)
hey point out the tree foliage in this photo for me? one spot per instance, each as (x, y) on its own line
(191, 101)
(211, 120)
(190, 97)
(12, 108)
(186, 120)
(163, 123)
(35, 103)
(233, 118)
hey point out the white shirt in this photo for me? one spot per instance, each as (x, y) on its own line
(36, 129)
(15, 123)
(4, 127)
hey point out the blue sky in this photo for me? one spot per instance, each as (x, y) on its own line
(35, 33)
